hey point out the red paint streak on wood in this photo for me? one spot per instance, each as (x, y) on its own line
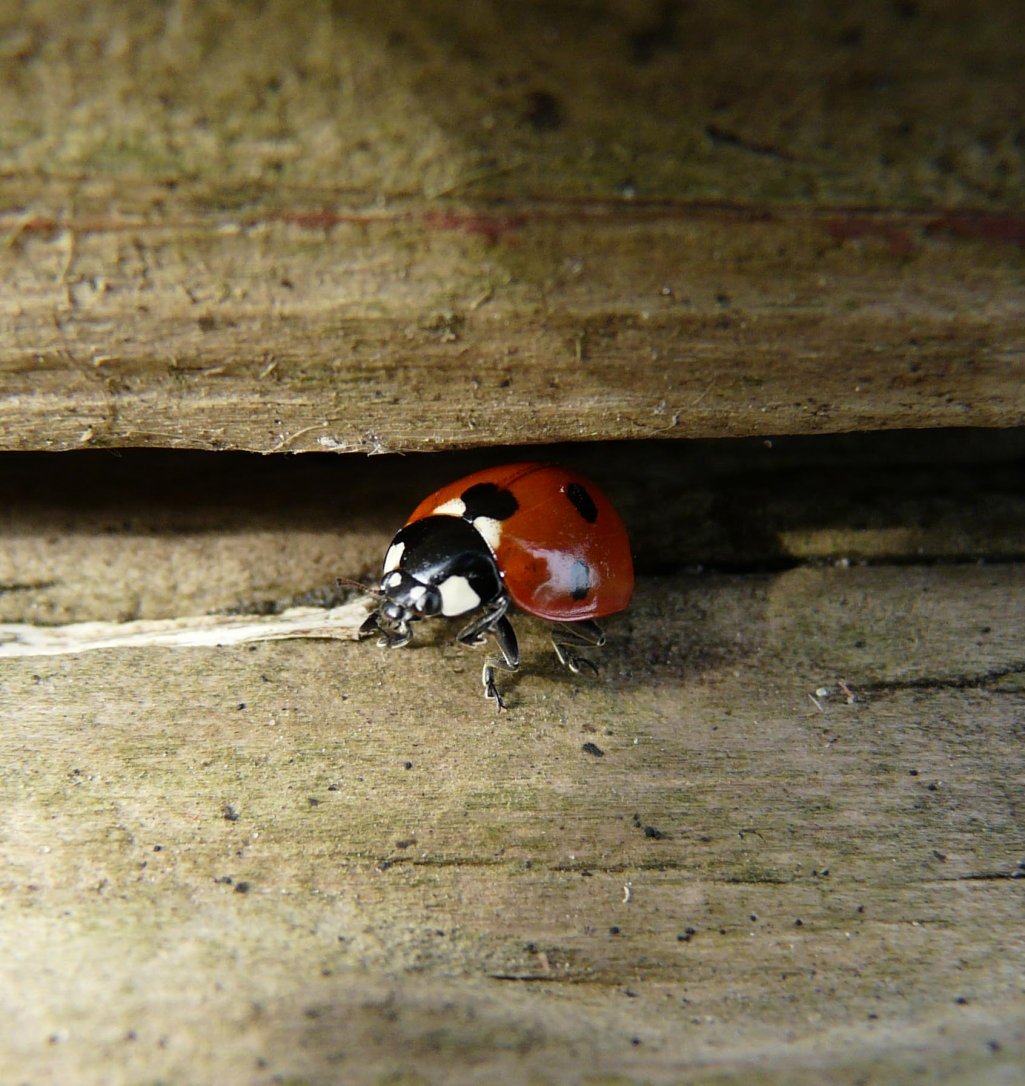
(897, 237)
(900, 232)
(38, 224)
(998, 229)
(323, 219)
(493, 228)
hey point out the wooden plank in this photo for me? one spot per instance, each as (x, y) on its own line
(310, 860)
(439, 229)
(385, 336)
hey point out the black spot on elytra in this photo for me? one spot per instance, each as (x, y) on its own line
(489, 500)
(583, 503)
(579, 579)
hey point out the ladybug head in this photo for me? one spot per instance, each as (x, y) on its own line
(439, 565)
(404, 599)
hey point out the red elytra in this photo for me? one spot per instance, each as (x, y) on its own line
(564, 532)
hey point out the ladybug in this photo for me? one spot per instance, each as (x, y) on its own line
(533, 536)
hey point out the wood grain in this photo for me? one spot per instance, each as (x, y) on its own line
(306, 860)
(392, 335)
(313, 230)
(777, 839)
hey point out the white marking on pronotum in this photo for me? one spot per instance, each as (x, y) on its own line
(393, 557)
(454, 507)
(392, 580)
(194, 631)
(457, 597)
(490, 530)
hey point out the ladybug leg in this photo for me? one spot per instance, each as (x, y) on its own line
(495, 622)
(569, 636)
(505, 637)
(476, 632)
(401, 636)
(390, 638)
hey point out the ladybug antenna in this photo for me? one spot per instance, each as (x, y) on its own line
(349, 582)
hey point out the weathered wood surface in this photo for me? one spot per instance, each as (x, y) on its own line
(311, 861)
(449, 225)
